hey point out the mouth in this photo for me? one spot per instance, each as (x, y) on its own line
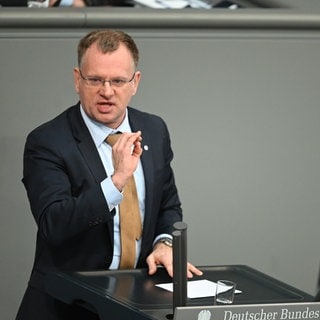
(105, 106)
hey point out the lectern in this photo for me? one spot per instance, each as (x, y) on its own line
(133, 295)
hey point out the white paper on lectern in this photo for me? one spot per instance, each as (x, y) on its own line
(196, 288)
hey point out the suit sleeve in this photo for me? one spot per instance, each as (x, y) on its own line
(64, 196)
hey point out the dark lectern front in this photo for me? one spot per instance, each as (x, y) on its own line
(133, 294)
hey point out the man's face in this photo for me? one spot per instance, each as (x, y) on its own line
(105, 103)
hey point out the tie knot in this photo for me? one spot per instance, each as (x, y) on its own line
(113, 138)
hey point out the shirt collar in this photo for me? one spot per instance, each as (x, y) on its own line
(99, 131)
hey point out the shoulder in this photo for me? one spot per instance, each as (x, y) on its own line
(56, 127)
(148, 119)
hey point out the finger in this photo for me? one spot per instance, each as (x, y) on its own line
(169, 269)
(167, 264)
(137, 149)
(129, 141)
(192, 270)
(152, 266)
(132, 137)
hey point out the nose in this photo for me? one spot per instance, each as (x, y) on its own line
(106, 89)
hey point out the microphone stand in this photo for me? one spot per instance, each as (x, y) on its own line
(179, 265)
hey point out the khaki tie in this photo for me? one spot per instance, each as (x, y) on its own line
(130, 219)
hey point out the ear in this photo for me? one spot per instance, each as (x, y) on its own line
(136, 82)
(76, 78)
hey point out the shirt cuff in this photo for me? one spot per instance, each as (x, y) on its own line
(161, 236)
(66, 3)
(112, 195)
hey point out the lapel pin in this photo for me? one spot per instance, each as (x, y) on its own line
(145, 147)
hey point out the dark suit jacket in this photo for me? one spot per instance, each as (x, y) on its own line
(62, 175)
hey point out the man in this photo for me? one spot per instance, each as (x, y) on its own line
(75, 179)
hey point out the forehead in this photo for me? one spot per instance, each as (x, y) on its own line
(95, 59)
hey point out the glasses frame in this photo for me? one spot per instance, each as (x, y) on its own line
(101, 82)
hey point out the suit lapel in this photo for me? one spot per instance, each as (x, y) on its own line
(137, 123)
(86, 145)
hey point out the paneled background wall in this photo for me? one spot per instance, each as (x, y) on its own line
(240, 94)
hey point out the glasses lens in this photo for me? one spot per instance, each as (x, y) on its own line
(96, 82)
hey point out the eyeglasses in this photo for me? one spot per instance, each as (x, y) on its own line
(98, 82)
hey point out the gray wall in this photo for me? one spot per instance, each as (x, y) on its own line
(241, 99)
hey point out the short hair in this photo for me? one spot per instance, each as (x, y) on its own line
(108, 41)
